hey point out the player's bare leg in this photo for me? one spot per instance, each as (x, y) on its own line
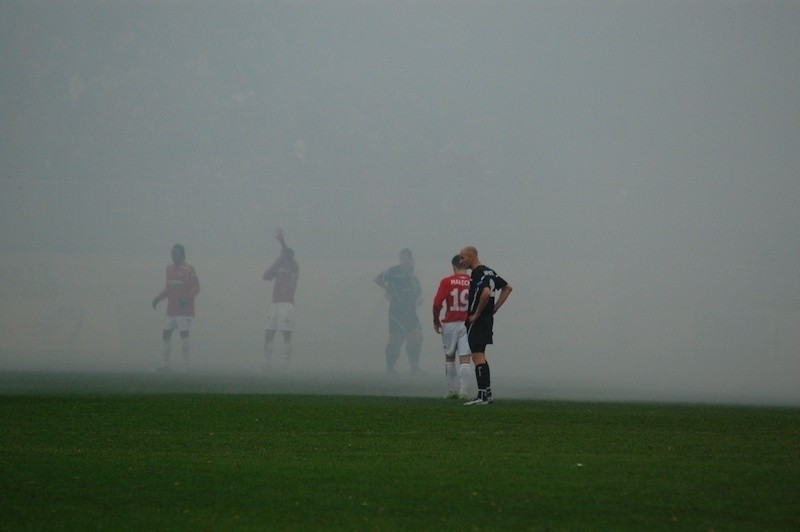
(269, 336)
(166, 337)
(185, 349)
(413, 350)
(451, 375)
(393, 351)
(287, 348)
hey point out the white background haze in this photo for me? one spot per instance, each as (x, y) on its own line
(631, 168)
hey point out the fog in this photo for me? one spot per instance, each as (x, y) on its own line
(630, 168)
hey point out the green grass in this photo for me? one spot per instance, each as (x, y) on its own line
(220, 461)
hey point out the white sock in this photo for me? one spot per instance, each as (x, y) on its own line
(287, 350)
(450, 373)
(268, 347)
(185, 350)
(464, 375)
(167, 350)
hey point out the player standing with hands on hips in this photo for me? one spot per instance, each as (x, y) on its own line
(181, 289)
(453, 296)
(285, 273)
(480, 320)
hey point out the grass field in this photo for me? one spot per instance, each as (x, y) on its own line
(222, 461)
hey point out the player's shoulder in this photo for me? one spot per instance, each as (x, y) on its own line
(481, 274)
(478, 271)
(393, 270)
(485, 270)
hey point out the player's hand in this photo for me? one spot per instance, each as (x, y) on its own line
(279, 234)
(437, 328)
(155, 302)
(470, 319)
(183, 302)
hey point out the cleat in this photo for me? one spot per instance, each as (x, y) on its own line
(478, 401)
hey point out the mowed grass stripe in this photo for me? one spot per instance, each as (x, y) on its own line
(321, 462)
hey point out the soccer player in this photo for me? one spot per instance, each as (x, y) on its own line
(285, 272)
(480, 320)
(452, 298)
(180, 290)
(404, 294)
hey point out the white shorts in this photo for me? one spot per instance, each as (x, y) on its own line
(281, 316)
(182, 323)
(454, 338)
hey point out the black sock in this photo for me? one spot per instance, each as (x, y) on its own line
(484, 380)
(413, 350)
(392, 354)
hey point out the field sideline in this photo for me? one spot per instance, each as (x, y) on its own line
(86, 459)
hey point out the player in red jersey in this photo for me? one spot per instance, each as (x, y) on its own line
(449, 317)
(285, 273)
(181, 289)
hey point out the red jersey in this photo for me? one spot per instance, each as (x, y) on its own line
(285, 273)
(453, 295)
(181, 283)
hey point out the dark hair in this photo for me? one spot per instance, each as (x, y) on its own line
(179, 248)
(406, 252)
(456, 262)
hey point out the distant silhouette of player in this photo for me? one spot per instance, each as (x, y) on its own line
(180, 290)
(285, 272)
(404, 294)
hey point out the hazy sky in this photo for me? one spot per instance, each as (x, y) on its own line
(632, 168)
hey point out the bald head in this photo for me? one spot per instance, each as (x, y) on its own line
(469, 256)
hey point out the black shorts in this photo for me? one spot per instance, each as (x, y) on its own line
(479, 335)
(403, 322)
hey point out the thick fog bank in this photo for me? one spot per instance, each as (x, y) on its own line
(569, 330)
(630, 168)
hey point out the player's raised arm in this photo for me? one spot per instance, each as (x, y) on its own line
(280, 237)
